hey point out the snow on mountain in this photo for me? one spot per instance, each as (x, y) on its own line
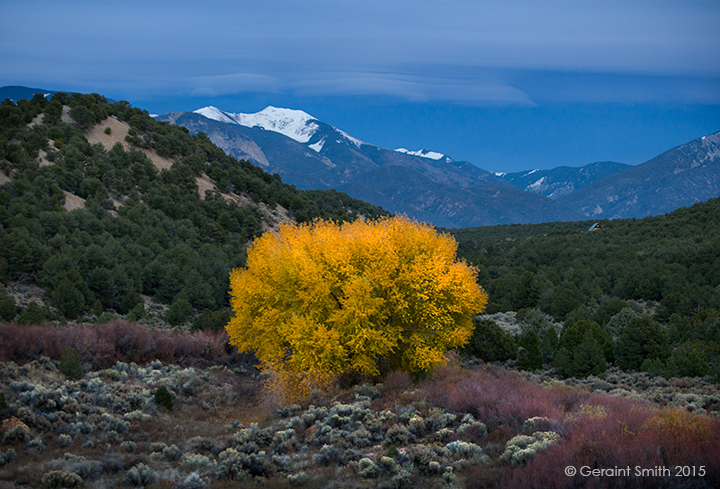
(353, 140)
(317, 147)
(295, 124)
(216, 114)
(535, 187)
(422, 153)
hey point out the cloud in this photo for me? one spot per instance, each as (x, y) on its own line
(421, 50)
(233, 83)
(411, 87)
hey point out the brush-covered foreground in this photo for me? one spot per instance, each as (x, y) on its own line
(473, 426)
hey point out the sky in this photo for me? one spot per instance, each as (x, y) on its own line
(508, 86)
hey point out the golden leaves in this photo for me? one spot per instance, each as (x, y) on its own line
(335, 298)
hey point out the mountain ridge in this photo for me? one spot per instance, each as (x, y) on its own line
(682, 176)
(327, 157)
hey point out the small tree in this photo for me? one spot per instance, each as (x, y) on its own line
(529, 356)
(588, 358)
(164, 398)
(363, 298)
(490, 342)
(642, 338)
(70, 364)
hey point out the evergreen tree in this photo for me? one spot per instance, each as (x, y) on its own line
(529, 356)
(490, 342)
(563, 362)
(589, 358)
(642, 338)
(70, 364)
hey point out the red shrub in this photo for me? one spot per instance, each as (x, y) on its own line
(104, 344)
(397, 381)
(496, 397)
(629, 436)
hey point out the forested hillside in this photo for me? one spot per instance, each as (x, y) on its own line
(673, 259)
(647, 290)
(159, 215)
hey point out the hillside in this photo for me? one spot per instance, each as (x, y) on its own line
(672, 259)
(424, 185)
(109, 211)
(679, 177)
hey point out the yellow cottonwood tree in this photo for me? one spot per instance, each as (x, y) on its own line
(322, 299)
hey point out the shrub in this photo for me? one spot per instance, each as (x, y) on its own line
(141, 475)
(490, 342)
(367, 469)
(192, 481)
(653, 367)
(59, 478)
(521, 447)
(617, 323)
(70, 364)
(367, 297)
(7, 457)
(298, 479)
(164, 398)
(34, 314)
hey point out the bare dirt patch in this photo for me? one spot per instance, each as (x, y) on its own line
(118, 131)
(42, 154)
(271, 218)
(72, 201)
(204, 183)
(65, 117)
(37, 120)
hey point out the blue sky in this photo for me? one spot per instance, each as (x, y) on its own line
(508, 85)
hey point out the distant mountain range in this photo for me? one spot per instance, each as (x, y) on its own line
(562, 180)
(680, 177)
(432, 187)
(426, 185)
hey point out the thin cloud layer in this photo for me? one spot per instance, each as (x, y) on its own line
(400, 49)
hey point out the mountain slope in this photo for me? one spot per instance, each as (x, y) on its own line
(103, 209)
(680, 177)
(562, 180)
(403, 190)
(424, 185)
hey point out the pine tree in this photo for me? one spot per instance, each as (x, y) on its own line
(588, 358)
(529, 355)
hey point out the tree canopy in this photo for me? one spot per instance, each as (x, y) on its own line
(364, 297)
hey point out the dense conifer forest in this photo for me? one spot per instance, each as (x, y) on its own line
(141, 230)
(665, 269)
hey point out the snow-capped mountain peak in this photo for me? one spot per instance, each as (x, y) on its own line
(433, 155)
(295, 124)
(216, 114)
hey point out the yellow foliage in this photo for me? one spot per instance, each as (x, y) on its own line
(321, 299)
(674, 423)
